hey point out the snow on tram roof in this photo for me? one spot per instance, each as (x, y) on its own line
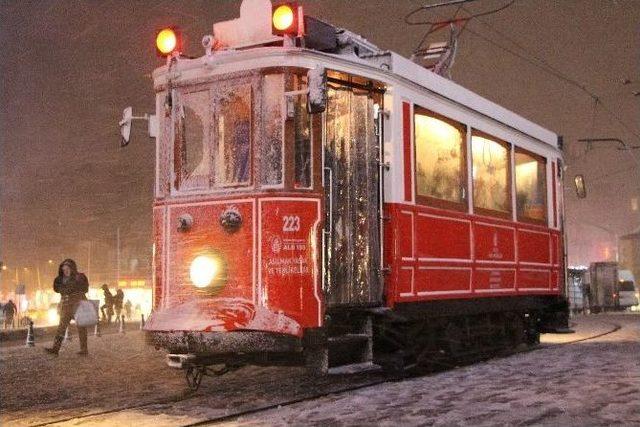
(249, 45)
(398, 67)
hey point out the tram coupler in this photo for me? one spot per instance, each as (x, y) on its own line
(180, 361)
(196, 368)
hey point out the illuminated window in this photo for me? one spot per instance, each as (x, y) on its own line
(440, 158)
(491, 171)
(531, 186)
(192, 157)
(233, 136)
(271, 149)
(302, 136)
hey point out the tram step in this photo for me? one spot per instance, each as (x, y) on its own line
(349, 349)
(355, 368)
(349, 339)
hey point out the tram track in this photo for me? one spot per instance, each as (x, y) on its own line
(185, 397)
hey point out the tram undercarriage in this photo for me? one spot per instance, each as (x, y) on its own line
(412, 338)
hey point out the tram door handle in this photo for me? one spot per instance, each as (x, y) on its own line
(329, 176)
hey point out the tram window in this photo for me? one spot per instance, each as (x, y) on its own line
(192, 140)
(491, 174)
(233, 136)
(531, 186)
(302, 132)
(271, 148)
(440, 159)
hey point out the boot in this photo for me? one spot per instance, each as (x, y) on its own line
(82, 334)
(57, 342)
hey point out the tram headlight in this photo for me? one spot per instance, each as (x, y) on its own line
(204, 269)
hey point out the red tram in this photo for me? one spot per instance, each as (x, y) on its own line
(322, 201)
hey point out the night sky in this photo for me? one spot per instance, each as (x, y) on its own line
(69, 68)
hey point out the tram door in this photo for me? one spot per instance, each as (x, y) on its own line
(351, 180)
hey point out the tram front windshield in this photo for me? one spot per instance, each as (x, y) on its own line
(232, 129)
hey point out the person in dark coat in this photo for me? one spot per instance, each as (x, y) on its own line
(107, 307)
(72, 286)
(118, 302)
(9, 310)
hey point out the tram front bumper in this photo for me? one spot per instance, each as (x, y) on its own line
(223, 343)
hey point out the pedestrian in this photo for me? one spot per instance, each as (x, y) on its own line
(9, 311)
(127, 309)
(117, 303)
(108, 304)
(72, 286)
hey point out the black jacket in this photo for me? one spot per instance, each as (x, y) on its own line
(78, 285)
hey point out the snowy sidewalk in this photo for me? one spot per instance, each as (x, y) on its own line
(587, 383)
(584, 327)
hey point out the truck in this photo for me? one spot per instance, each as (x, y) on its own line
(611, 289)
(627, 290)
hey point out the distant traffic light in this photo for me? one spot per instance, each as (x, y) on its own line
(286, 19)
(168, 41)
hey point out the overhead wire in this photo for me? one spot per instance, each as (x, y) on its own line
(530, 57)
(545, 66)
(407, 18)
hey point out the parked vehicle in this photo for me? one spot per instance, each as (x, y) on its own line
(627, 289)
(611, 289)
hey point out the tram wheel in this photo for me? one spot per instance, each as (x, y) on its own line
(316, 360)
(516, 333)
(453, 340)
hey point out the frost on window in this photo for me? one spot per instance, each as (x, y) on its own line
(302, 132)
(193, 162)
(233, 136)
(531, 186)
(490, 174)
(439, 159)
(271, 148)
(351, 154)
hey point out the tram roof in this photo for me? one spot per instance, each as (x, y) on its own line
(385, 66)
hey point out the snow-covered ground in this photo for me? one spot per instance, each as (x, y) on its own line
(590, 383)
(595, 382)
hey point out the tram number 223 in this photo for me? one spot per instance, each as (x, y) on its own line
(290, 223)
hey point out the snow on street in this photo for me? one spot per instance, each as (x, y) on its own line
(595, 382)
(590, 383)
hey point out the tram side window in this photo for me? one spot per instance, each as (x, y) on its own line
(491, 174)
(440, 160)
(271, 148)
(531, 186)
(302, 136)
(192, 149)
(233, 136)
